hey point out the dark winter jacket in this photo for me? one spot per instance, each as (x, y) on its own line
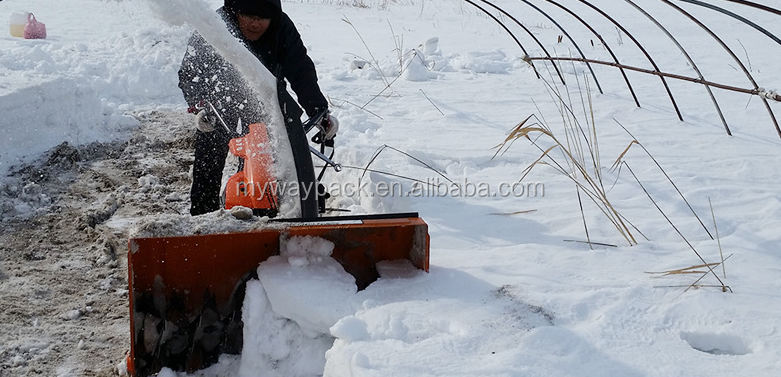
(205, 75)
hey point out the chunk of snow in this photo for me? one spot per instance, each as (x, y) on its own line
(276, 346)
(350, 329)
(289, 310)
(307, 286)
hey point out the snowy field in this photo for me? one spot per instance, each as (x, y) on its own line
(514, 288)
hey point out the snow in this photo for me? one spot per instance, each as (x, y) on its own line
(275, 345)
(303, 263)
(288, 312)
(80, 83)
(508, 294)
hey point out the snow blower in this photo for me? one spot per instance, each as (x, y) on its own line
(186, 292)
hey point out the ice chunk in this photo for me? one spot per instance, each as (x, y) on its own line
(306, 285)
(275, 346)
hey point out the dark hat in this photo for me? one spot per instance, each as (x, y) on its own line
(260, 8)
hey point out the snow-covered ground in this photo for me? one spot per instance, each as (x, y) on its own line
(508, 293)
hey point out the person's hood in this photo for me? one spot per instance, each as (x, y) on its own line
(253, 6)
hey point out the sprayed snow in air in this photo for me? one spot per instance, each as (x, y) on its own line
(506, 295)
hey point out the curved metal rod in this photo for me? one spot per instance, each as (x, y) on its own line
(568, 37)
(755, 5)
(508, 15)
(507, 30)
(691, 61)
(647, 55)
(757, 92)
(735, 57)
(604, 43)
(735, 16)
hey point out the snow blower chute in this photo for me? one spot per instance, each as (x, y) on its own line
(186, 292)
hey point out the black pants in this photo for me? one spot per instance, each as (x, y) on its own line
(211, 149)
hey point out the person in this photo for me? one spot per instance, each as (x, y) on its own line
(205, 77)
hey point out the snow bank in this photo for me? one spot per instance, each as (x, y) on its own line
(304, 317)
(277, 346)
(419, 324)
(83, 86)
(39, 117)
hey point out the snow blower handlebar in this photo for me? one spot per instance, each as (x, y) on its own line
(314, 121)
(337, 167)
(232, 134)
(317, 121)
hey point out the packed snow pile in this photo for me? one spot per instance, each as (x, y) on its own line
(175, 224)
(304, 263)
(300, 294)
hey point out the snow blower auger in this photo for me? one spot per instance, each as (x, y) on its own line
(186, 292)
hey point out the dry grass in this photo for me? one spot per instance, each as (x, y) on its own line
(574, 153)
(573, 150)
(404, 61)
(512, 213)
(701, 269)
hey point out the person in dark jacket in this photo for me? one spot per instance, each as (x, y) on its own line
(206, 77)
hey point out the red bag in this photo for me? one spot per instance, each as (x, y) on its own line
(34, 29)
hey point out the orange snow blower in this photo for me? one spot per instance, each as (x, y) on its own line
(186, 292)
(254, 186)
